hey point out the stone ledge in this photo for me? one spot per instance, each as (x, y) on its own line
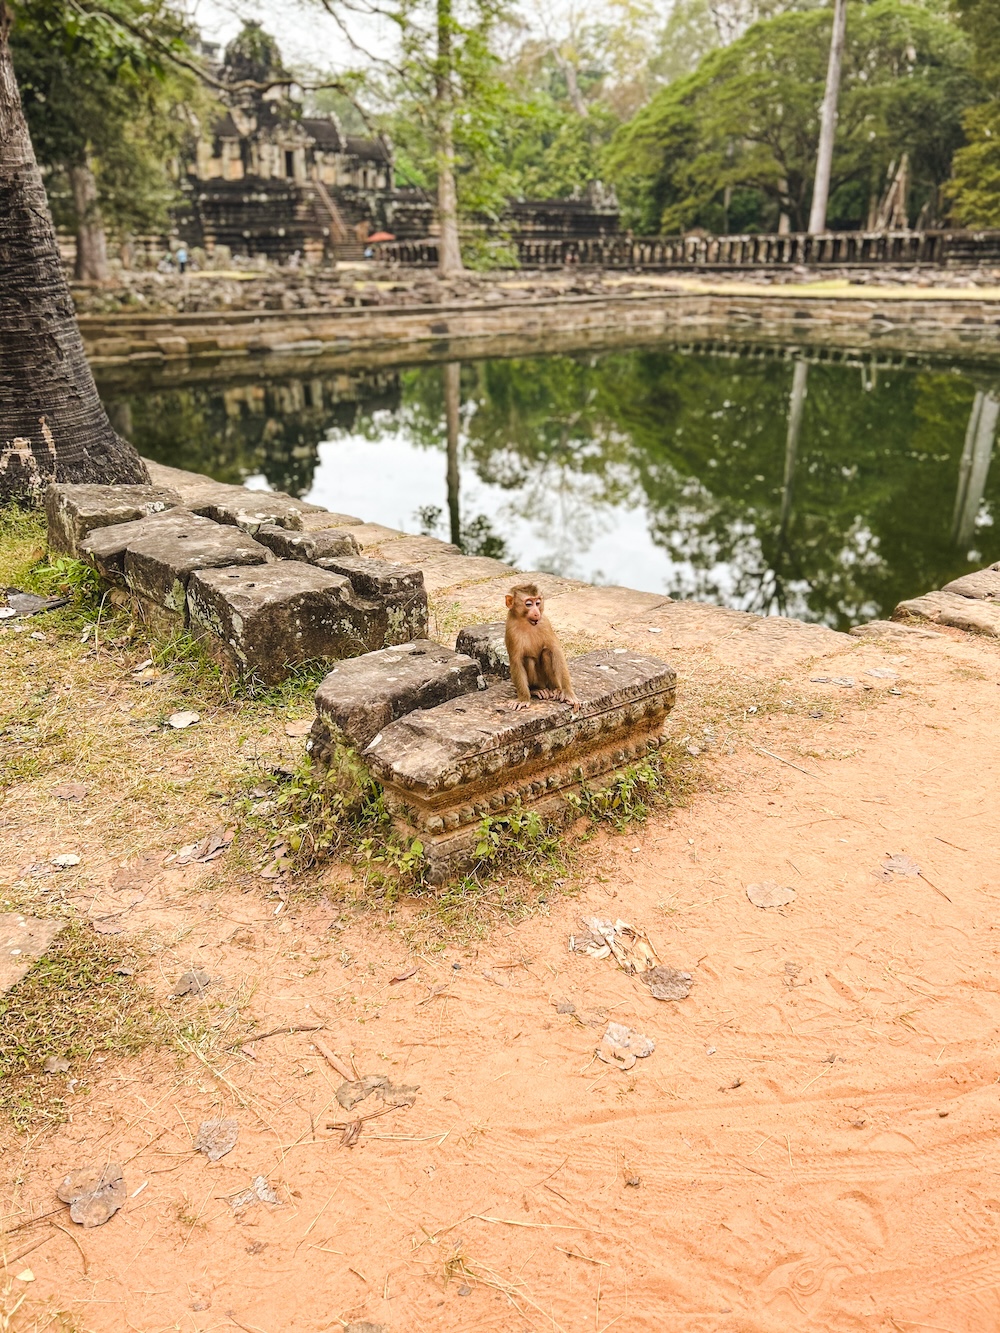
(984, 585)
(310, 546)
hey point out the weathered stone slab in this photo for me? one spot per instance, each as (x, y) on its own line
(398, 589)
(408, 550)
(74, 511)
(325, 518)
(233, 505)
(486, 644)
(360, 697)
(272, 617)
(160, 561)
(458, 571)
(105, 547)
(23, 940)
(945, 608)
(316, 544)
(984, 585)
(446, 768)
(880, 629)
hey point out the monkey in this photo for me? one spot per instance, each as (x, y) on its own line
(537, 663)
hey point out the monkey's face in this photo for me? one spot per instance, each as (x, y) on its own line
(534, 609)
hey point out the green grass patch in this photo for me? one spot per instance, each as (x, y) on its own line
(81, 1000)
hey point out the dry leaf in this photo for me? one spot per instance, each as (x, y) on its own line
(216, 1138)
(94, 1194)
(770, 894)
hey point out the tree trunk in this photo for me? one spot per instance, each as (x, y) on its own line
(828, 122)
(91, 242)
(974, 469)
(796, 406)
(52, 424)
(452, 405)
(449, 249)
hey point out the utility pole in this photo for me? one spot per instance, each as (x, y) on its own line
(828, 121)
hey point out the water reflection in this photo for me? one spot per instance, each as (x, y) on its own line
(828, 491)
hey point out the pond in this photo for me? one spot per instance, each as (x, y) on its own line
(774, 480)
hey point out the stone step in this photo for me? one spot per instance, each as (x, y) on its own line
(271, 618)
(360, 697)
(74, 511)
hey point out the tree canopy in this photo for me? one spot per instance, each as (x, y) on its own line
(744, 126)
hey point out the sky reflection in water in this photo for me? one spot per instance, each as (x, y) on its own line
(826, 491)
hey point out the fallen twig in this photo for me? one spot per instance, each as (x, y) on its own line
(334, 1061)
(276, 1032)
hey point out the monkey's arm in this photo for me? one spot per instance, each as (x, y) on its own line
(519, 675)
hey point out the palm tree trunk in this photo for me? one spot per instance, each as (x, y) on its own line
(52, 424)
(449, 249)
(91, 242)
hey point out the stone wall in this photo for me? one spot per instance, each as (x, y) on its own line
(898, 320)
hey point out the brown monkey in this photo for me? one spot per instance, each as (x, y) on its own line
(537, 663)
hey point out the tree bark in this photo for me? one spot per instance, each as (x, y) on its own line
(52, 424)
(452, 408)
(449, 248)
(91, 242)
(828, 121)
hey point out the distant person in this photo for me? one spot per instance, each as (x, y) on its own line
(182, 258)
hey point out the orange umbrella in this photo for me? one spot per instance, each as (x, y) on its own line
(380, 236)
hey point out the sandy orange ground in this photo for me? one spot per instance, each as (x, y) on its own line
(851, 1181)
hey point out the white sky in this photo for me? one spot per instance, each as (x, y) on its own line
(309, 37)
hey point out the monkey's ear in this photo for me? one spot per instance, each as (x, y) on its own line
(509, 600)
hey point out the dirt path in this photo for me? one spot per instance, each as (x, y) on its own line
(810, 1146)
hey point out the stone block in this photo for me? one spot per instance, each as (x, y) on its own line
(983, 585)
(398, 589)
(945, 608)
(160, 561)
(272, 617)
(447, 768)
(486, 644)
(105, 547)
(74, 511)
(360, 697)
(317, 544)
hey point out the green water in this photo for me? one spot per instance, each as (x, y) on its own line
(829, 492)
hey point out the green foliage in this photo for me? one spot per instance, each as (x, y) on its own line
(517, 840)
(627, 798)
(974, 190)
(747, 119)
(64, 576)
(102, 90)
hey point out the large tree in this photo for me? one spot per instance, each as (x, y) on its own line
(52, 423)
(975, 189)
(106, 117)
(745, 125)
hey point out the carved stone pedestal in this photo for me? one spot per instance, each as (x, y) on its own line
(446, 768)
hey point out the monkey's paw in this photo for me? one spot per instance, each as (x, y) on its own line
(516, 704)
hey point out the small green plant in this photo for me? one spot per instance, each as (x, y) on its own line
(518, 839)
(64, 576)
(632, 794)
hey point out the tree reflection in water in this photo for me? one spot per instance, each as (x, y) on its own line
(763, 481)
